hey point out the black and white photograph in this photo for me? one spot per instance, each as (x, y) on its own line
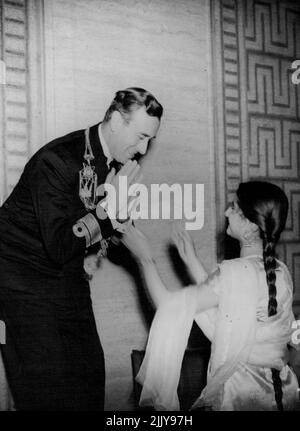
(149, 208)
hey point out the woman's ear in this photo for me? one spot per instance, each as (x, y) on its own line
(251, 231)
(252, 226)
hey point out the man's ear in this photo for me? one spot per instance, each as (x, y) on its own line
(116, 121)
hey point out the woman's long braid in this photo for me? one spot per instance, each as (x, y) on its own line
(266, 205)
(269, 243)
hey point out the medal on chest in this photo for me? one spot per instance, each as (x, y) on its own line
(88, 182)
(88, 177)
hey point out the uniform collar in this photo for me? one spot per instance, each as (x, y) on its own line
(104, 145)
(100, 158)
(96, 144)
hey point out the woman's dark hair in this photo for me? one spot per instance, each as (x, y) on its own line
(129, 100)
(266, 205)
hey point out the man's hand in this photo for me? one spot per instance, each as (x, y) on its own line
(118, 203)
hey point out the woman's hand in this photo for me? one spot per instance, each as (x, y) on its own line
(137, 243)
(184, 244)
(91, 264)
(186, 250)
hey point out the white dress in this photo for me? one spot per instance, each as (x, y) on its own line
(250, 387)
(6, 401)
(246, 343)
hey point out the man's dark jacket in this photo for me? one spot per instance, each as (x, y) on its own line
(36, 220)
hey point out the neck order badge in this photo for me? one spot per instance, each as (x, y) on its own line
(88, 177)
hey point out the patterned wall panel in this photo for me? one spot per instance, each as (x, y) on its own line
(232, 112)
(15, 122)
(22, 95)
(257, 42)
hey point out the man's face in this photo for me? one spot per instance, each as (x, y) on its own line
(133, 137)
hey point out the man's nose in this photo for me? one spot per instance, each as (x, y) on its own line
(142, 147)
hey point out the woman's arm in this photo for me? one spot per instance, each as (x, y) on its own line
(155, 287)
(138, 244)
(206, 297)
(197, 271)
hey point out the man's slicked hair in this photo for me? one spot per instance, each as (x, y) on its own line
(129, 100)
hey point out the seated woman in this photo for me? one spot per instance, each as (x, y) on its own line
(244, 308)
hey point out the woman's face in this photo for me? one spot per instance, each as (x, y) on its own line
(236, 220)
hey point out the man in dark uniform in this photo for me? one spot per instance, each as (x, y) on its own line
(53, 356)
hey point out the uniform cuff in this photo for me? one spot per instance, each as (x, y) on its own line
(92, 228)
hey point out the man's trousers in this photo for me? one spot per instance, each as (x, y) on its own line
(52, 355)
